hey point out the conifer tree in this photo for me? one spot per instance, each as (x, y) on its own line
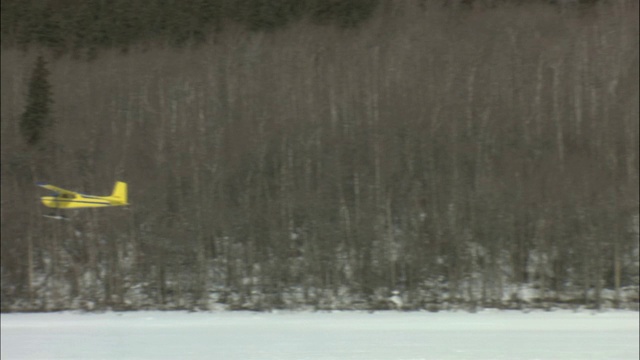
(37, 117)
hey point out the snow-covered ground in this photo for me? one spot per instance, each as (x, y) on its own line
(508, 335)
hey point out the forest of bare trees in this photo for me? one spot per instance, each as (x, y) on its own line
(456, 157)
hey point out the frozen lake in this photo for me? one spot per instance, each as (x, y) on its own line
(507, 335)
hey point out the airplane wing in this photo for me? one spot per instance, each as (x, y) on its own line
(57, 189)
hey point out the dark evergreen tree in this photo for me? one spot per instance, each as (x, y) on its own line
(37, 117)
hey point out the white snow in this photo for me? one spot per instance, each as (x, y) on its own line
(507, 335)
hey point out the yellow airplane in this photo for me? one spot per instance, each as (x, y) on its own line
(66, 199)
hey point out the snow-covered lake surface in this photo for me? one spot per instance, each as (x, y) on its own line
(508, 335)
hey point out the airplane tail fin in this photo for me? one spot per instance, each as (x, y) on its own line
(120, 192)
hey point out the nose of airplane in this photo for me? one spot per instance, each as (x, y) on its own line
(47, 201)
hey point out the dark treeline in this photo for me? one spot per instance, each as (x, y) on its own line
(83, 27)
(455, 158)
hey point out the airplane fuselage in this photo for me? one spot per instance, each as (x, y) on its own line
(79, 201)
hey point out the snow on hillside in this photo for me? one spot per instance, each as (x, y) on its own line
(322, 335)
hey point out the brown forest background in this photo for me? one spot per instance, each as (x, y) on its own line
(452, 156)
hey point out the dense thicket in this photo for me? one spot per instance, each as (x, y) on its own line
(459, 157)
(37, 118)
